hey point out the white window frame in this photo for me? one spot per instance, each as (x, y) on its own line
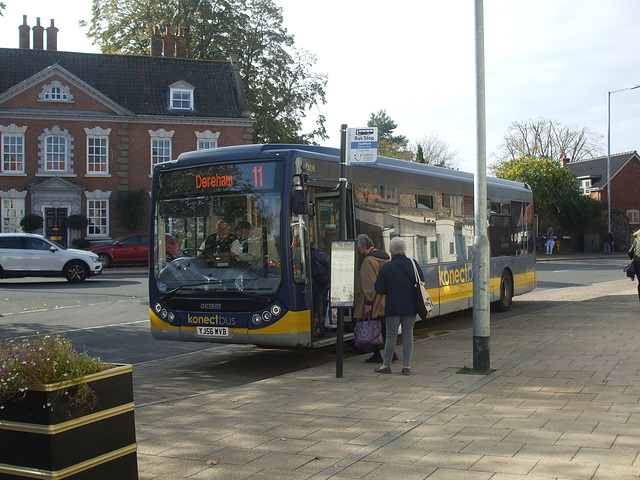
(161, 146)
(55, 157)
(160, 151)
(181, 99)
(207, 139)
(634, 216)
(13, 208)
(98, 216)
(13, 153)
(207, 144)
(55, 91)
(99, 200)
(98, 159)
(181, 96)
(48, 157)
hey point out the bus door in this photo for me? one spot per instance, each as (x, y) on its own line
(325, 228)
(326, 221)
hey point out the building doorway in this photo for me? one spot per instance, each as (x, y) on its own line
(55, 220)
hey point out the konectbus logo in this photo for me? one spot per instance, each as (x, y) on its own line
(455, 276)
(210, 320)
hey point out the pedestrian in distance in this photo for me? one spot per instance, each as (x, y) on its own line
(550, 242)
(396, 280)
(367, 300)
(634, 252)
(608, 242)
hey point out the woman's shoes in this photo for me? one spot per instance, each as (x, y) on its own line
(406, 371)
(382, 370)
(374, 359)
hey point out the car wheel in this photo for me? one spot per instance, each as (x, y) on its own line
(105, 259)
(76, 272)
(506, 292)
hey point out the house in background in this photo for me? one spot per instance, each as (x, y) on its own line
(76, 129)
(625, 183)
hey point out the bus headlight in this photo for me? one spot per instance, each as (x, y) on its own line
(275, 310)
(171, 317)
(157, 308)
(266, 316)
(256, 319)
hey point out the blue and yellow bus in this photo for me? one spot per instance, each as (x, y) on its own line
(286, 197)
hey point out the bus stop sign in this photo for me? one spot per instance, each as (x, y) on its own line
(362, 145)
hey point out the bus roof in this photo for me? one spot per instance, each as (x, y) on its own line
(269, 150)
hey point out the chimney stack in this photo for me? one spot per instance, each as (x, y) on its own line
(564, 160)
(169, 43)
(52, 38)
(181, 44)
(156, 42)
(24, 34)
(38, 36)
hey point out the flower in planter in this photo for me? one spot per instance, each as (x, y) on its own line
(45, 359)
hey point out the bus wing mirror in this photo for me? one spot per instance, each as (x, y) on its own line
(299, 204)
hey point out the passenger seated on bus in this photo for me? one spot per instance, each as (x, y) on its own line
(220, 242)
(250, 241)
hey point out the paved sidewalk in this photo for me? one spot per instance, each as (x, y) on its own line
(563, 402)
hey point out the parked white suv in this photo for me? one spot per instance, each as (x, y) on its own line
(30, 255)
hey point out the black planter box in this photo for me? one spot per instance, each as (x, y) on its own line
(44, 442)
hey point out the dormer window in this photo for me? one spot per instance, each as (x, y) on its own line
(585, 186)
(181, 96)
(55, 92)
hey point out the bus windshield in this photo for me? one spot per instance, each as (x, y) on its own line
(225, 218)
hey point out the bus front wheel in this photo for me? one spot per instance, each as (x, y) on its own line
(506, 292)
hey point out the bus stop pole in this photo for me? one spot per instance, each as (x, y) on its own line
(343, 236)
(481, 314)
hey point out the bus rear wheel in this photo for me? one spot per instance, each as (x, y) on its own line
(506, 292)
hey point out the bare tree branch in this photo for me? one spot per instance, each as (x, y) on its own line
(544, 138)
(436, 151)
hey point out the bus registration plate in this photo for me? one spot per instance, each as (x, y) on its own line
(212, 331)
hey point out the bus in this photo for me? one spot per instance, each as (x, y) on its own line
(288, 198)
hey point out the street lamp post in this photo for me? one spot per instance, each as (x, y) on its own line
(633, 87)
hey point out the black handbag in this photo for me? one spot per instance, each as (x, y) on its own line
(630, 270)
(630, 252)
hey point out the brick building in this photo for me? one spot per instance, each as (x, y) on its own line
(77, 129)
(625, 182)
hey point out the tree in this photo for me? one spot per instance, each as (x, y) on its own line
(545, 138)
(435, 151)
(132, 206)
(386, 126)
(420, 155)
(389, 145)
(2, 7)
(555, 189)
(31, 222)
(279, 85)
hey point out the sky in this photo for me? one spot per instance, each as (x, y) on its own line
(415, 59)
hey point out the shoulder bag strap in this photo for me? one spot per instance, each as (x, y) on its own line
(415, 280)
(415, 271)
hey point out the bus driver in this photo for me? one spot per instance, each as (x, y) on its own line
(220, 242)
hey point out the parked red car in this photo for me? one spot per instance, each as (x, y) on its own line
(131, 249)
